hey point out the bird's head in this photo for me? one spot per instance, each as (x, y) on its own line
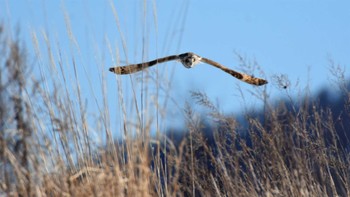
(189, 59)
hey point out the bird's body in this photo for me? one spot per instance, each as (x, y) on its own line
(189, 60)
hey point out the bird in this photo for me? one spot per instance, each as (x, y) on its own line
(188, 60)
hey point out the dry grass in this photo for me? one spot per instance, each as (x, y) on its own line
(290, 153)
(47, 146)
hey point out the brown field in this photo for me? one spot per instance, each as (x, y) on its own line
(295, 147)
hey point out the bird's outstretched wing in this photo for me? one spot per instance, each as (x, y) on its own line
(132, 68)
(241, 76)
(188, 60)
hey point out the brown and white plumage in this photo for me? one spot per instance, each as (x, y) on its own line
(189, 60)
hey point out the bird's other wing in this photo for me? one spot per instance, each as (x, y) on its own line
(132, 68)
(241, 76)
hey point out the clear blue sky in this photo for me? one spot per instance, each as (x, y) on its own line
(283, 37)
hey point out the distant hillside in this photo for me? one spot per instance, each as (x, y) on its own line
(286, 150)
(337, 106)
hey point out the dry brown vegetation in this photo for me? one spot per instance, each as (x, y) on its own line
(46, 148)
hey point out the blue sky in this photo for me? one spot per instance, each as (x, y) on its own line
(295, 38)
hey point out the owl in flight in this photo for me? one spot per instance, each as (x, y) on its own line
(189, 60)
